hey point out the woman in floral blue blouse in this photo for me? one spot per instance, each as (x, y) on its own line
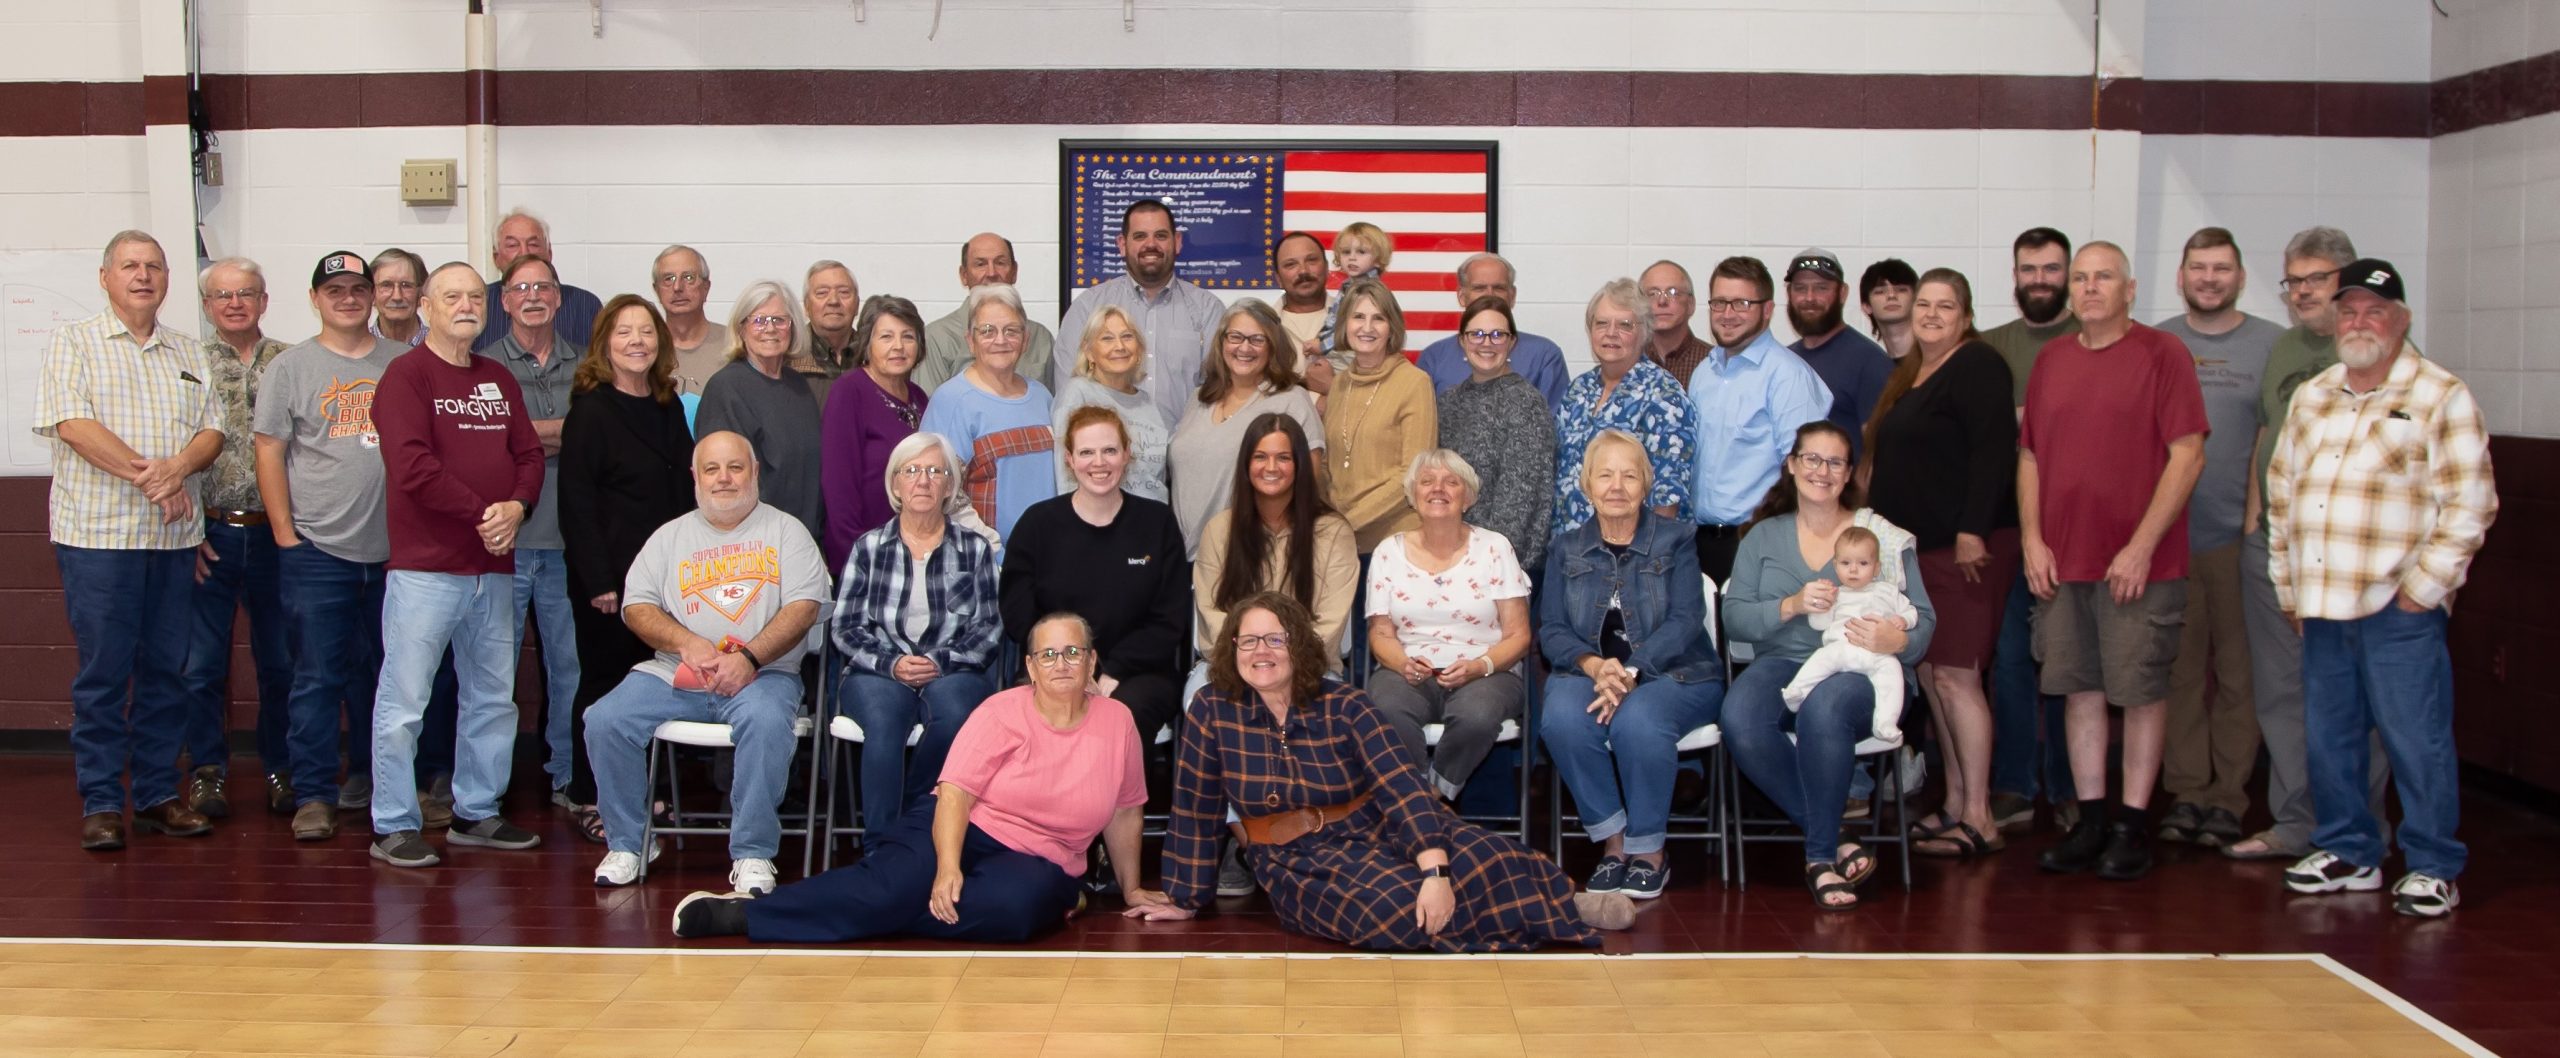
(1625, 392)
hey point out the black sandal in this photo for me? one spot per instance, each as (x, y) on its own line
(590, 823)
(1924, 830)
(1822, 893)
(1859, 866)
(1959, 841)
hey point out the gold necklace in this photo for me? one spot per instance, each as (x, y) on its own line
(1353, 433)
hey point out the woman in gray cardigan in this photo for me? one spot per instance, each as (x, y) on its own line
(1781, 575)
(1501, 424)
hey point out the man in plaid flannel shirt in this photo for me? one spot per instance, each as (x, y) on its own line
(2378, 495)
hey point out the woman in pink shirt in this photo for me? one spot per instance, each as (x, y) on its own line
(1035, 773)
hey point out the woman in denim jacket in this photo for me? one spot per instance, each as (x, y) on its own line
(1633, 669)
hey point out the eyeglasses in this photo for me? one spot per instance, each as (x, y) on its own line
(682, 279)
(988, 332)
(1735, 304)
(1249, 341)
(1494, 337)
(1055, 656)
(235, 295)
(2308, 279)
(769, 323)
(395, 284)
(916, 469)
(1665, 293)
(1273, 640)
(532, 288)
(1828, 464)
(1615, 326)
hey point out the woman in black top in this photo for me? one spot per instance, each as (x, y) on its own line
(626, 464)
(1113, 558)
(1943, 447)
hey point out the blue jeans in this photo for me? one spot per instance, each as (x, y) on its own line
(129, 614)
(1620, 773)
(422, 614)
(542, 584)
(1808, 777)
(337, 665)
(244, 572)
(2022, 762)
(622, 724)
(887, 710)
(2388, 672)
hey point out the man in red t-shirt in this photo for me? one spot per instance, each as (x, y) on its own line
(2110, 443)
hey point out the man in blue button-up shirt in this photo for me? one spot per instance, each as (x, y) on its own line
(1751, 395)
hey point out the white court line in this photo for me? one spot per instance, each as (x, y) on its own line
(2362, 983)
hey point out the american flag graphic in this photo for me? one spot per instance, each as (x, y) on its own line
(1435, 203)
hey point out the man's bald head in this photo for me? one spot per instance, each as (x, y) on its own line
(456, 305)
(724, 477)
(987, 258)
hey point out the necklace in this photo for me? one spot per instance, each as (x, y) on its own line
(1353, 434)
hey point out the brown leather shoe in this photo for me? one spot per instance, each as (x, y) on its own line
(102, 831)
(204, 793)
(315, 821)
(279, 795)
(174, 819)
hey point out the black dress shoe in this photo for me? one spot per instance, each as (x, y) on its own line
(2078, 851)
(205, 795)
(279, 795)
(2128, 854)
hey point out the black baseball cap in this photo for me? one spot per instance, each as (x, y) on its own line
(1820, 261)
(2371, 274)
(340, 263)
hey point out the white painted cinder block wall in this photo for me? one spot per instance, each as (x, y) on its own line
(2493, 221)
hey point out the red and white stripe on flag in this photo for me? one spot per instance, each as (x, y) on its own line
(1433, 203)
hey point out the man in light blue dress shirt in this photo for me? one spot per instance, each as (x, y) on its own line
(1752, 395)
(1176, 316)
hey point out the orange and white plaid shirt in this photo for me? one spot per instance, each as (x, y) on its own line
(2377, 494)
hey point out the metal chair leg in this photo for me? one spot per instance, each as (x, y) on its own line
(649, 818)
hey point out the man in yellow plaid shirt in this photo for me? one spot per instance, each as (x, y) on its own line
(2378, 495)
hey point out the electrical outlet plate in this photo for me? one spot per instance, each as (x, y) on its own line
(427, 182)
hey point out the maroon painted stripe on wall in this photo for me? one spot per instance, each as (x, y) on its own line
(1295, 97)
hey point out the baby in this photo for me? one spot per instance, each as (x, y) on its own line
(1854, 557)
(1360, 249)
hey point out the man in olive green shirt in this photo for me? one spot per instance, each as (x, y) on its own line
(2039, 259)
(2021, 762)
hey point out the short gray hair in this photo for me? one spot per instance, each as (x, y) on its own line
(756, 294)
(129, 235)
(1054, 617)
(416, 263)
(674, 249)
(2326, 243)
(906, 451)
(1510, 274)
(811, 275)
(539, 224)
(1000, 293)
(1621, 292)
(204, 279)
(1442, 459)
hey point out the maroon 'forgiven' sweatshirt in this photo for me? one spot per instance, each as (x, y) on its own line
(454, 441)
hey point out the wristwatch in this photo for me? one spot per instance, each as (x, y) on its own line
(1440, 872)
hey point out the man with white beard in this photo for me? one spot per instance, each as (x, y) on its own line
(2378, 495)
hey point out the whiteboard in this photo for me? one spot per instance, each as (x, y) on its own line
(39, 291)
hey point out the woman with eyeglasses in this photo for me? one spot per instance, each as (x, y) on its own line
(869, 410)
(1783, 577)
(998, 418)
(1114, 558)
(1111, 362)
(1624, 391)
(1381, 413)
(1252, 371)
(759, 397)
(1347, 836)
(916, 624)
(1502, 427)
(994, 856)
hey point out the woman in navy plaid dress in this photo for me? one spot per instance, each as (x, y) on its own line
(1400, 872)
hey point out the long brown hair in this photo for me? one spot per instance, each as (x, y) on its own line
(1306, 655)
(596, 368)
(1248, 546)
(1906, 371)
(1782, 496)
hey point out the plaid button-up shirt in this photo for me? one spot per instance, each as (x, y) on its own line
(153, 395)
(231, 483)
(2377, 494)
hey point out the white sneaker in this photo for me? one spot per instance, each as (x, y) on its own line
(622, 868)
(2425, 896)
(2324, 872)
(751, 877)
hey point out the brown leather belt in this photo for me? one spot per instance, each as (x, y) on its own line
(1281, 828)
(239, 518)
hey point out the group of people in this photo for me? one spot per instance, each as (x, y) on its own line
(1318, 568)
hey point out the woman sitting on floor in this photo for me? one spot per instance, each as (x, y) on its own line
(1348, 840)
(1036, 772)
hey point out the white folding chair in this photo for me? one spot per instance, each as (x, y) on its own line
(844, 742)
(710, 735)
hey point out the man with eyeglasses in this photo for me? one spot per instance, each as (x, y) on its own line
(987, 258)
(464, 468)
(682, 281)
(320, 473)
(397, 275)
(833, 303)
(2312, 261)
(1672, 301)
(545, 367)
(1535, 357)
(2026, 745)
(1177, 317)
(1850, 363)
(1751, 394)
(237, 561)
(521, 233)
(725, 594)
(2108, 450)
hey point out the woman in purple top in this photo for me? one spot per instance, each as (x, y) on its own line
(869, 410)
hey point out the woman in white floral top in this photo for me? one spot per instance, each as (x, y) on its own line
(1448, 620)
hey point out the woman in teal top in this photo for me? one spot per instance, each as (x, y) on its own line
(1781, 575)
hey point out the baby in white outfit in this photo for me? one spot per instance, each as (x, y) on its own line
(1854, 558)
